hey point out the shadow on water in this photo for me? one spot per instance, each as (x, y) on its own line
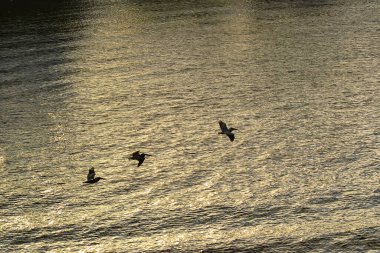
(35, 36)
(357, 240)
(34, 41)
(12, 10)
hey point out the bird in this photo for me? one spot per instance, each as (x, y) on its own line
(91, 179)
(227, 131)
(139, 157)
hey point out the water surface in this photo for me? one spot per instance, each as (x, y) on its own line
(86, 83)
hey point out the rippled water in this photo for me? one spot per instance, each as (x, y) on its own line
(86, 83)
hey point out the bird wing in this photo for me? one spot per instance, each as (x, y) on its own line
(135, 155)
(231, 136)
(223, 126)
(141, 160)
(91, 176)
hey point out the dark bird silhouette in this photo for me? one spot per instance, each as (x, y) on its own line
(91, 174)
(91, 179)
(139, 157)
(227, 131)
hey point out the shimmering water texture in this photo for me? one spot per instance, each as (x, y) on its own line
(87, 83)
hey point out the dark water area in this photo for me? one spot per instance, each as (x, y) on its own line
(86, 83)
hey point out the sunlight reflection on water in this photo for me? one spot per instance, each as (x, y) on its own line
(86, 84)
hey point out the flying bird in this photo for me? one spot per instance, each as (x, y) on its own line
(139, 157)
(227, 131)
(91, 179)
